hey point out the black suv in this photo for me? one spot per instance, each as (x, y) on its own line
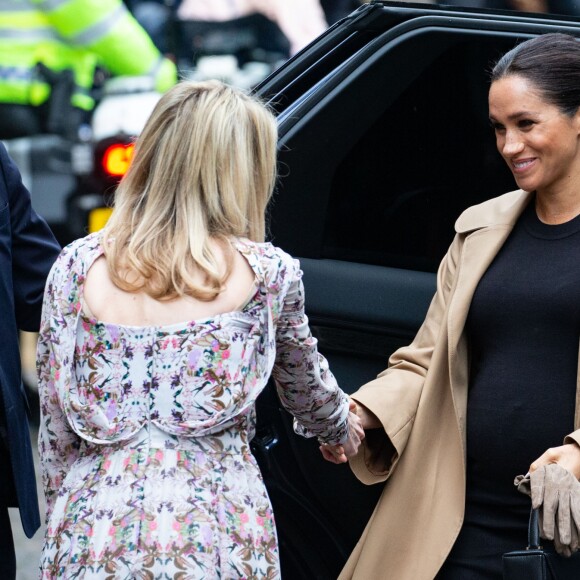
(384, 140)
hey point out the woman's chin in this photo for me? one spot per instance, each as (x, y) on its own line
(525, 184)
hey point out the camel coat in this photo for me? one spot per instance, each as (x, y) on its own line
(421, 400)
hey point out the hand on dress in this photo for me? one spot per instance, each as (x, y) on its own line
(341, 452)
(553, 485)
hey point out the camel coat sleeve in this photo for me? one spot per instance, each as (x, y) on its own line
(574, 437)
(394, 395)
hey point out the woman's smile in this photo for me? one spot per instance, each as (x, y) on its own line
(521, 166)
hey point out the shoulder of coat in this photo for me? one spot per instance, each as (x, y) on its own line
(502, 210)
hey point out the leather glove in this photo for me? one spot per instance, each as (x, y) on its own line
(557, 492)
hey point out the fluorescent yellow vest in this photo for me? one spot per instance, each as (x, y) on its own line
(76, 35)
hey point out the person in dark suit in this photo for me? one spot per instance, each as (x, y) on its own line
(27, 251)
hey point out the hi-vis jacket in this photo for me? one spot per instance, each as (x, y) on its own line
(76, 35)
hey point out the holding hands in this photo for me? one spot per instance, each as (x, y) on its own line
(553, 485)
(341, 453)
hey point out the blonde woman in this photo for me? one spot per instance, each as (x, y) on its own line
(158, 334)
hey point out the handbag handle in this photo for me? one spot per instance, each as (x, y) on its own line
(534, 531)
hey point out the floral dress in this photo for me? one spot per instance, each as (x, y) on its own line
(145, 431)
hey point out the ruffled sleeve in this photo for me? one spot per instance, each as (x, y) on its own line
(306, 386)
(57, 443)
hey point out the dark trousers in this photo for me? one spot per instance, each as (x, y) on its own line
(7, 555)
(7, 498)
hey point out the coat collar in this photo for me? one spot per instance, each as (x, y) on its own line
(502, 210)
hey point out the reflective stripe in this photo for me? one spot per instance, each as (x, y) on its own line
(16, 73)
(28, 35)
(49, 5)
(156, 67)
(100, 29)
(83, 91)
(9, 6)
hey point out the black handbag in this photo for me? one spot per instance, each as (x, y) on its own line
(536, 563)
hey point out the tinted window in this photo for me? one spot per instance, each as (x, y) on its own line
(398, 191)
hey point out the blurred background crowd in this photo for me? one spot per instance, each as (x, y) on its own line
(279, 27)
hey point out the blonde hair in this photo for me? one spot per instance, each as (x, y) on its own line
(204, 168)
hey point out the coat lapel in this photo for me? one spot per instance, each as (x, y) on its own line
(479, 250)
(486, 228)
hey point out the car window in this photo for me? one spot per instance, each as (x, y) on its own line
(378, 160)
(398, 190)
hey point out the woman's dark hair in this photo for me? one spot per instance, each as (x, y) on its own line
(551, 63)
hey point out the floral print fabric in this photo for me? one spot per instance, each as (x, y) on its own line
(145, 431)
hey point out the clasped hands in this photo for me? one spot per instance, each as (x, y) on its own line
(341, 453)
(553, 485)
(359, 418)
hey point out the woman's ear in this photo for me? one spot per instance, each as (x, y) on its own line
(576, 120)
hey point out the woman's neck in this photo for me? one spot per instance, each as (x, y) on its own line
(557, 207)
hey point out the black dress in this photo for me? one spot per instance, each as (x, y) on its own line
(523, 333)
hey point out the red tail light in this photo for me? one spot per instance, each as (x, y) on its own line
(116, 159)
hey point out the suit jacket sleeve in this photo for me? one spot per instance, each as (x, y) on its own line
(34, 248)
(394, 395)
